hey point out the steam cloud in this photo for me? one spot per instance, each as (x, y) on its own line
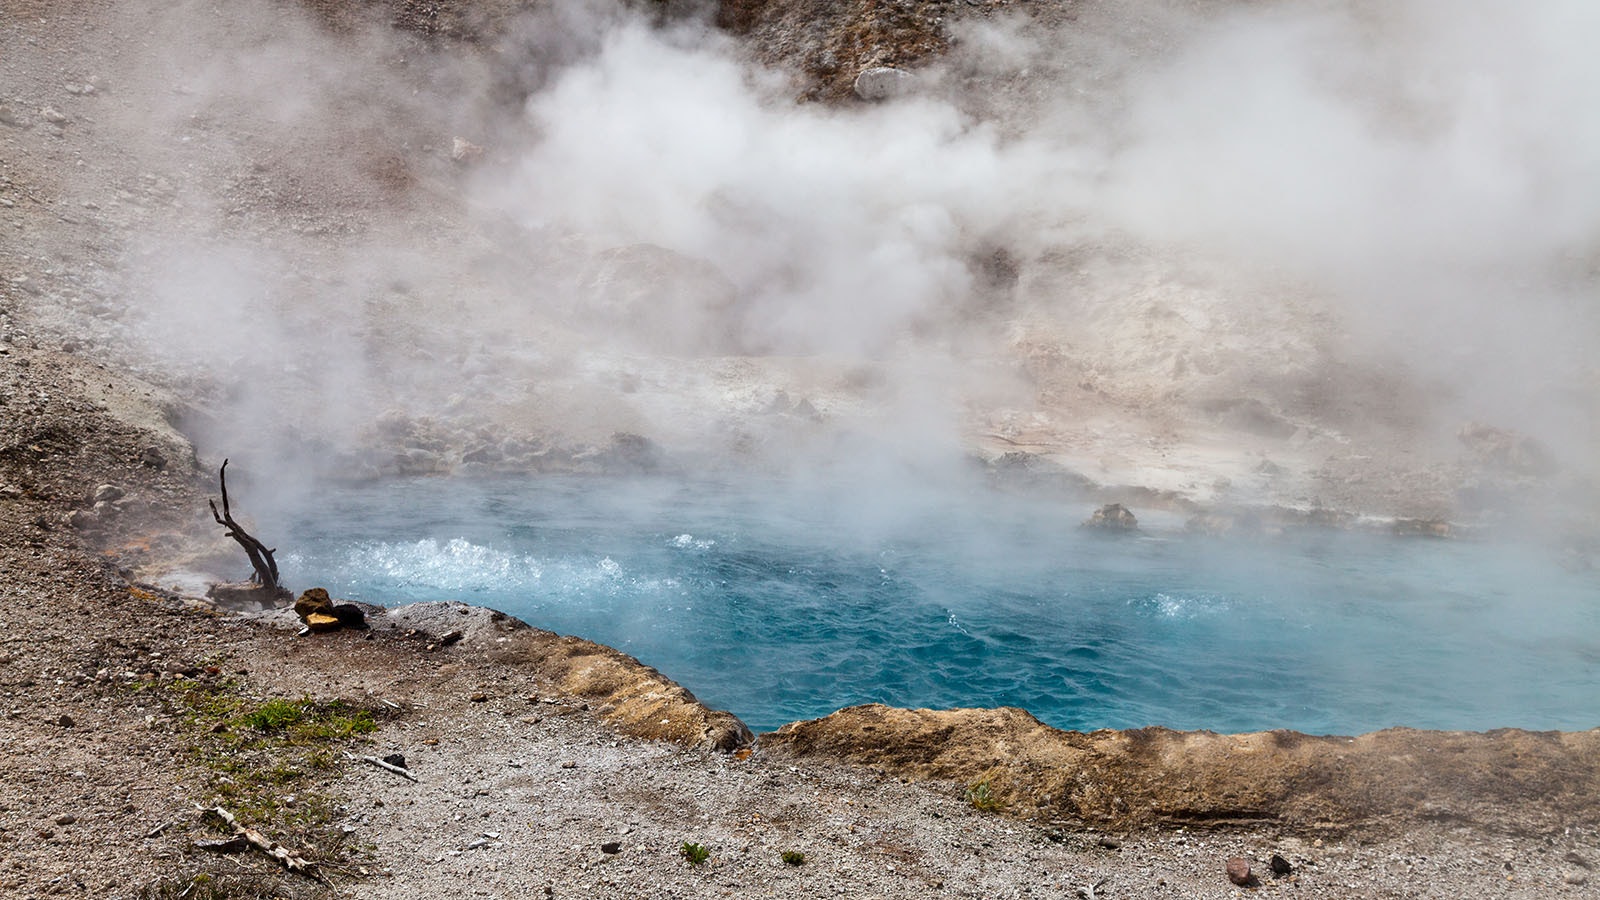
(1142, 210)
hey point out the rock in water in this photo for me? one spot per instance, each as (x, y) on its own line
(1112, 517)
(884, 83)
(1239, 872)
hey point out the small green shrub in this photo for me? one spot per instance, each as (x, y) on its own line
(793, 857)
(695, 853)
(981, 798)
(274, 715)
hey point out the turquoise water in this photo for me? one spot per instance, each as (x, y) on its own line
(779, 603)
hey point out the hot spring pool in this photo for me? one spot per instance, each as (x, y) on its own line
(780, 604)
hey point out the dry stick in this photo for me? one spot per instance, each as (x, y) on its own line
(266, 568)
(384, 765)
(261, 842)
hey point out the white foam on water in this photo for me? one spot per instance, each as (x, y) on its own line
(452, 565)
(1183, 606)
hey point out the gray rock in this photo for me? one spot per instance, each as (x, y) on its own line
(108, 493)
(884, 83)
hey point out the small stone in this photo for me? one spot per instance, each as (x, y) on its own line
(1239, 872)
(52, 115)
(108, 493)
(569, 764)
(1576, 878)
(480, 698)
(66, 819)
(153, 458)
(1280, 866)
(478, 843)
(1107, 842)
(611, 847)
(1578, 859)
(397, 760)
(65, 721)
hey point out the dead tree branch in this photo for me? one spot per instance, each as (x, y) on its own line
(261, 842)
(266, 568)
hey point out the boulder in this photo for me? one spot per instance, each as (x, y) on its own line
(318, 611)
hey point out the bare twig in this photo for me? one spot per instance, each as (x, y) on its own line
(263, 843)
(384, 765)
(266, 568)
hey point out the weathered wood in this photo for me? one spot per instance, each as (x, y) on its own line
(261, 842)
(406, 773)
(261, 558)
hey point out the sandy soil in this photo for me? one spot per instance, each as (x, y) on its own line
(532, 754)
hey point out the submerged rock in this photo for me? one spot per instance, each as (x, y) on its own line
(1113, 517)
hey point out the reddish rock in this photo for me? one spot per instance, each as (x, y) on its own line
(1239, 872)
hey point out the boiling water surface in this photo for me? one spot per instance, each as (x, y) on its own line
(779, 603)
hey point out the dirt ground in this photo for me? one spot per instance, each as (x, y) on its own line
(543, 766)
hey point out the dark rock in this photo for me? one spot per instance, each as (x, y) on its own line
(66, 819)
(1239, 872)
(65, 721)
(350, 615)
(1107, 842)
(153, 458)
(1113, 517)
(396, 759)
(611, 847)
(1280, 866)
(449, 637)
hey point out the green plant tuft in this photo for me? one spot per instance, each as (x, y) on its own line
(695, 853)
(981, 798)
(793, 857)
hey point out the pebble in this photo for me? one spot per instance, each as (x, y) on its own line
(1280, 866)
(611, 847)
(1239, 872)
(66, 819)
(65, 721)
